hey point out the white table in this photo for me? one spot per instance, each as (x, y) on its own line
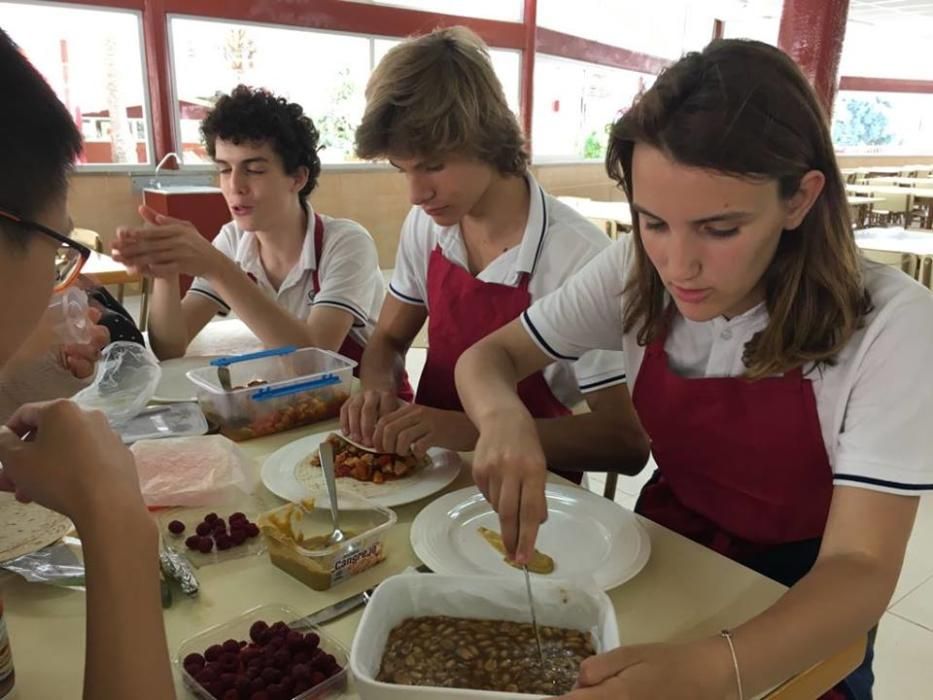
(616, 213)
(895, 240)
(685, 592)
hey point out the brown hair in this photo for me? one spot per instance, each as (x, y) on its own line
(438, 94)
(744, 108)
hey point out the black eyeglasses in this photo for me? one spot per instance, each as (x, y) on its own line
(69, 257)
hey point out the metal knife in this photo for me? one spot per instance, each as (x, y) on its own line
(342, 607)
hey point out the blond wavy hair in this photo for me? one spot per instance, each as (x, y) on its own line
(437, 95)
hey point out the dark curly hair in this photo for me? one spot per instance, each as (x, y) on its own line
(39, 141)
(256, 115)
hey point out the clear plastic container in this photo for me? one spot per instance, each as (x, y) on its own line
(68, 310)
(172, 420)
(273, 390)
(238, 629)
(322, 567)
(191, 518)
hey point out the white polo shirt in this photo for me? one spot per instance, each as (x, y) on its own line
(557, 242)
(348, 272)
(874, 404)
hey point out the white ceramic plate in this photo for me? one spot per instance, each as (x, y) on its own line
(588, 536)
(288, 474)
(174, 386)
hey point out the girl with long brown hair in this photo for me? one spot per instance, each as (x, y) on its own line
(774, 370)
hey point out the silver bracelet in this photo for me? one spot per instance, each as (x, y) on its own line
(727, 635)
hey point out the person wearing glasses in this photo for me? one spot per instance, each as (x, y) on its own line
(54, 453)
(783, 379)
(45, 368)
(294, 276)
(482, 241)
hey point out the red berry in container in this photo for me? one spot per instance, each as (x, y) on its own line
(271, 675)
(301, 671)
(294, 639)
(257, 684)
(317, 677)
(210, 517)
(224, 543)
(301, 686)
(281, 659)
(237, 516)
(213, 652)
(261, 695)
(237, 538)
(219, 524)
(312, 639)
(302, 657)
(252, 530)
(205, 545)
(216, 689)
(231, 694)
(280, 629)
(256, 630)
(231, 645)
(193, 542)
(176, 527)
(195, 660)
(203, 529)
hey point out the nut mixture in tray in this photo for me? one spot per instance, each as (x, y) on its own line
(497, 655)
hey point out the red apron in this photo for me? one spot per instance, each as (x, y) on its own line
(350, 348)
(742, 467)
(462, 311)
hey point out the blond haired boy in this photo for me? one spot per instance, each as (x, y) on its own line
(481, 242)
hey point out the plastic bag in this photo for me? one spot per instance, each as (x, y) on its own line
(127, 377)
(207, 470)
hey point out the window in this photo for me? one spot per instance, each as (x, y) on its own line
(887, 49)
(93, 61)
(883, 122)
(505, 62)
(575, 103)
(506, 10)
(324, 72)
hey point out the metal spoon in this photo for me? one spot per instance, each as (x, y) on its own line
(326, 451)
(534, 618)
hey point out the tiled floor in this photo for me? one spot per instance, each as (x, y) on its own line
(904, 648)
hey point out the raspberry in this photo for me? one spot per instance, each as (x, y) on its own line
(203, 529)
(230, 661)
(300, 671)
(257, 684)
(237, 516)
(237, 538)
(256, 630)
(276, 692)
(271, 675)
(228, 680)
(216, 689)
(193, 542)
(301, 686)
(317, 677)
(232, 646)
(205, 545)
(312, 639)
(219, 524)
(176, 527)
(213, 652)
(193, 660)
(210, 517)
(252, 530)
(224, 543)
(288, 684)
(281, 659)
(273, 645)
(280, 629)
(231, 694)
(261, 695)
(294, 639)
(301, 657)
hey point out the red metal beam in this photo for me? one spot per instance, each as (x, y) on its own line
(812, 32)
(719, 29)
(852, 82)
(343, 16)
(569, 46)
(155, 31)
(530, 18)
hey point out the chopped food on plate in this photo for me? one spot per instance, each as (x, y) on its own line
(361, 465)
